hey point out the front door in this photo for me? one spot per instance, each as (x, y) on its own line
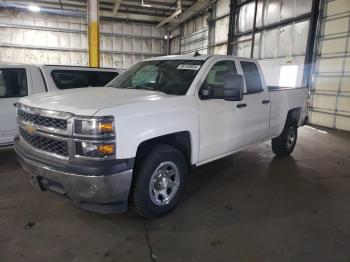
(221, 122)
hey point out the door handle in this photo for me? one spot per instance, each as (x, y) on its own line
(241, 105)
(265, 101)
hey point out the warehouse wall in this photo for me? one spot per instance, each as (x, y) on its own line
(35, 38)
(124, 44)
(219, 36)
(280, 50)
(38, 38)
(330, 94)
(195, 35)
(175, 41)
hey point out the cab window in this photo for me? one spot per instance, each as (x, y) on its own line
(252, 77)
(13, 82)
(214, 81)
(67, 79)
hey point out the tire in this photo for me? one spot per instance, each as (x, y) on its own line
(285, 143)
(162, 173)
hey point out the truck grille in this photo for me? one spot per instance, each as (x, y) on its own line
(42, 120)
(44, 143)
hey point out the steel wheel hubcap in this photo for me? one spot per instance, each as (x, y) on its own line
(290, 137)
(164, 183)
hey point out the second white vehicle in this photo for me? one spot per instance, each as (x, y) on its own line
(134, 142)
(17, 81)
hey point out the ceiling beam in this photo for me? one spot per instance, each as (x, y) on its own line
(158, 3)
(116, 7)
(195, 9)
(131, 16)
(141, 13)
(153, 8)
(177, 12)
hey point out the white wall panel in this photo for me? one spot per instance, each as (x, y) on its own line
(41, 39)
(300, 35)
(220, 49)
(132, 40)
(44, 38)
(330, 94)
(222, 8)
(194, 38)
(175, 45)
(221, 29)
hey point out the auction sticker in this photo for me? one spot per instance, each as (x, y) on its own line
(189, 67)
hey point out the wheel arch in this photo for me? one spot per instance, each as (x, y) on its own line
(293, 116)
(180, 140)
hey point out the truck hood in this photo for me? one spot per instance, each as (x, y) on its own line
(87, 101)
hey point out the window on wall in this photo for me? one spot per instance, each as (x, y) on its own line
(252, 77)
(13, 82)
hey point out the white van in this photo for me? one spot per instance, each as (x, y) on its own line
(24, 80)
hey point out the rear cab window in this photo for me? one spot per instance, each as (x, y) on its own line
(13, 82)
(252, 77)
(67, 79)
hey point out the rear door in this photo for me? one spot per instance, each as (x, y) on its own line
(14, 83)
(257, 99)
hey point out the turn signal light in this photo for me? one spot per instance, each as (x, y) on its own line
(106, 149)
(106, 127)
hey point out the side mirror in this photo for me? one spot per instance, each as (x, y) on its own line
(205, 93)
(233, 87)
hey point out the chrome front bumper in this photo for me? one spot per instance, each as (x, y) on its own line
(102, 193)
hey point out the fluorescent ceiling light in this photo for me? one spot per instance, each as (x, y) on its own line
(34, 8)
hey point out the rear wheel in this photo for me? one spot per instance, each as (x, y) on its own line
(285, 143)
(159, 181)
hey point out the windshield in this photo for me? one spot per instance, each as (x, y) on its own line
(173, 77)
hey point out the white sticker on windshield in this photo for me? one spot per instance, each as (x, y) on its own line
(189, 67)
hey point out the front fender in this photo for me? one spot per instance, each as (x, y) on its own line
(138, 123)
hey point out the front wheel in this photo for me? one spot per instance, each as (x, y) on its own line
(159, 182)
(285, 143)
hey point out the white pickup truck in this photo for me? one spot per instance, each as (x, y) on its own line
(17, 81)
(134, 141)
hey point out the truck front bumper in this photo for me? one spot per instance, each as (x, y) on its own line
(92, 188)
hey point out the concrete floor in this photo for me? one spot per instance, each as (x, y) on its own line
(247, 207)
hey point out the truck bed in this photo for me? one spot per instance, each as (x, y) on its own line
(284, 99)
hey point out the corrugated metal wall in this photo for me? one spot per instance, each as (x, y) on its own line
(124, 44)
(220, 27)
(175, 42)
(38, 38)
(195, 35)
(279, 46)
(330, 94)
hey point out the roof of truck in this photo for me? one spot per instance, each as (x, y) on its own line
(4, 65)
(192, 57)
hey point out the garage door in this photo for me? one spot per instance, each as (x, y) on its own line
(330, 94)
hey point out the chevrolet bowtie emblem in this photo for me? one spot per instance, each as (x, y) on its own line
(30, 128)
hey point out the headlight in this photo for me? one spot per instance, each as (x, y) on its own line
(94, 149)
(95, 126)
